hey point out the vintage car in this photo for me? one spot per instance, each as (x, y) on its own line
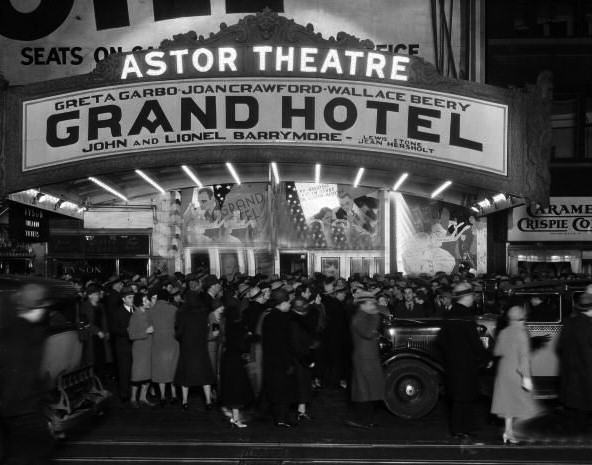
(75, 393)
(413, 363)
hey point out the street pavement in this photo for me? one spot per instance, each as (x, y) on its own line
(171, 435)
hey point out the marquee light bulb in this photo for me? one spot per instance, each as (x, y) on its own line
(441, 189)
(275, 171)
(400, 181)
(192, 176)
(150, 181)
(359, 177)
(109, 189)
(233, 172)
(485, 203)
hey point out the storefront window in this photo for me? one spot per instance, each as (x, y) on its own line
(564, 124)
(588, 130)
(133, 266)
(264, 262)
(293, 263)
(200, 262)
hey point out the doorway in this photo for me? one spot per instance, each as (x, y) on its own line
(293, 263)
(200, 262)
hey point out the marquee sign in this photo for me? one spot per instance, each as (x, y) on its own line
(267, 88)
(50, 39)
(177, 114)
(565, 219)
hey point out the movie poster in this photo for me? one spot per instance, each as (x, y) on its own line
(329, 216)
(228, 215)
(435, 236)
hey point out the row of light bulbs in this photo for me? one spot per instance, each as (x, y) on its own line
(493, 202)
(274, 172)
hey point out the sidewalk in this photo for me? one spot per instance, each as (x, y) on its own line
(330, 409)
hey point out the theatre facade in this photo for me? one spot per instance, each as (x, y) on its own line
(266, 148)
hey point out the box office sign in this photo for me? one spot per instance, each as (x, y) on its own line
(50, 39)
(565, 219)
(330, 113)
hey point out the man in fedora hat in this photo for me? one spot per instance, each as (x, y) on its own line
(463, 355)
(334, 338)
(575, 352)
(122, 343)
(26, 437)
(279, 371)
(92, 313)
(463, 305)
(409, 308)
(367, 381)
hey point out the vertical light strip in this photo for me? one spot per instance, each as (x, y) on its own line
(108, 188)
(233, 173)
(359, 177)
(400, 181)
(317, 173)
(192, 176)
(150, 181)
(441, 189)
(275, 171)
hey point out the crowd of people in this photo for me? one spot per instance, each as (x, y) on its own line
(254, 340)
(269, 342)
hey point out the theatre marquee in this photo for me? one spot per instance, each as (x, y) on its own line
(268, 83)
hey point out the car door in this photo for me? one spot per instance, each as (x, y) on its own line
(544, 316)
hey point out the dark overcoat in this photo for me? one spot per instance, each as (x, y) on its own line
(463, 355)
(303, 337)
(141, 346)
(279, 373)
(235, 386)
(575, 352)
(165, 347)
(194, 367)
(123, 348)
(416, 311)
(334, 351)
(367, 373)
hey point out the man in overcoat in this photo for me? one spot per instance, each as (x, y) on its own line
(26, 437)
(367, 384)
(334, 337)
(122, 343)
(463, 355)
(279, 358)
(575, 352)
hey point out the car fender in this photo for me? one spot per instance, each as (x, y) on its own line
(413, 354)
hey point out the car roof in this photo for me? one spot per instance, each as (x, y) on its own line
(59, 288)
(555, 285)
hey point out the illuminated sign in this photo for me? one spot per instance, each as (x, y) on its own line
(266, 60)
(48, 39)
(28, 224)
(142, 117)
(565, 219)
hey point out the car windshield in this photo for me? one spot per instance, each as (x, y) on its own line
(543, 307)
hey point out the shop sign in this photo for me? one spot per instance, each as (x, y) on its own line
(89, 244)
(28, 224)
(49, 39)
(327, 113)
(565, 219)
